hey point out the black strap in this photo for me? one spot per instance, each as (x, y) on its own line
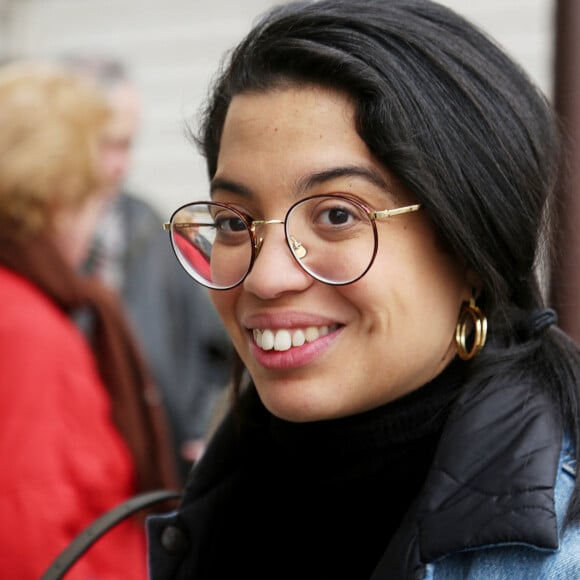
(101, 526)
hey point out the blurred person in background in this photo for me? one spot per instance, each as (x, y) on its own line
(81, 428)
(183, 339)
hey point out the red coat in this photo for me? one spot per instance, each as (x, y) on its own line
(62, 461)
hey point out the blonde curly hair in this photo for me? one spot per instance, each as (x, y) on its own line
(50, 124)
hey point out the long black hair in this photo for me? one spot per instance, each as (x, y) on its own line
(461, 126)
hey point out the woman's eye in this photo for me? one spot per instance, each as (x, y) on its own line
(336, 216)
(230, 224)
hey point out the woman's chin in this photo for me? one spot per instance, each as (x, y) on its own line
(299, 409)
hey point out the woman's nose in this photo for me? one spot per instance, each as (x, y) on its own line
(275, 271)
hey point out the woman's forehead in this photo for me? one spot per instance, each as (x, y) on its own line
(297, 139)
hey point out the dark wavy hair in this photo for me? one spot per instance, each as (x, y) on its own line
(461, 126)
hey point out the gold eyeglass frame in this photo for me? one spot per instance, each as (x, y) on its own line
(293, 244)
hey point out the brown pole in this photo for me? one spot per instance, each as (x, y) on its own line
(565, 267)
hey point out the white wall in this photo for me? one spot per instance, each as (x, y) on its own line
(173, 47)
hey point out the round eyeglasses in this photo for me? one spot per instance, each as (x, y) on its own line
(332, 237)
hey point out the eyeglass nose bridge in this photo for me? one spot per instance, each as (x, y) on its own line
(258, 241)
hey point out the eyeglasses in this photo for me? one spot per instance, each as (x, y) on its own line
(332, 237)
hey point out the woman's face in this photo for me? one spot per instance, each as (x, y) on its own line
(374, 340)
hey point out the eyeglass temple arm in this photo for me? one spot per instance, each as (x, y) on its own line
(167, 225)
(387, 213)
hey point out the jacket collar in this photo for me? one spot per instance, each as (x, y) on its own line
(491, 481)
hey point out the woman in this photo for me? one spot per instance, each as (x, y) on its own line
(77, 435)
(380, 177)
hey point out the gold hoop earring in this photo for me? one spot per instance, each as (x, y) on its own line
(470, 318)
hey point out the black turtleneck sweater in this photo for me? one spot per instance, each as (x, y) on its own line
(323, 499)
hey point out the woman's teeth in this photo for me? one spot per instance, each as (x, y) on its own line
(284, 339)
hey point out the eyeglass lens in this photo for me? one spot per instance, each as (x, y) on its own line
(332, 238)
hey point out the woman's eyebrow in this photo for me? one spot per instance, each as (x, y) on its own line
(309, 181)
(227, 185)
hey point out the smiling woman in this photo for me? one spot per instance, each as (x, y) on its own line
(381, 174)
(375, 322)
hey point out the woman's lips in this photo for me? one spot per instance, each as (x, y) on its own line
(282, 339)
(287, 348)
